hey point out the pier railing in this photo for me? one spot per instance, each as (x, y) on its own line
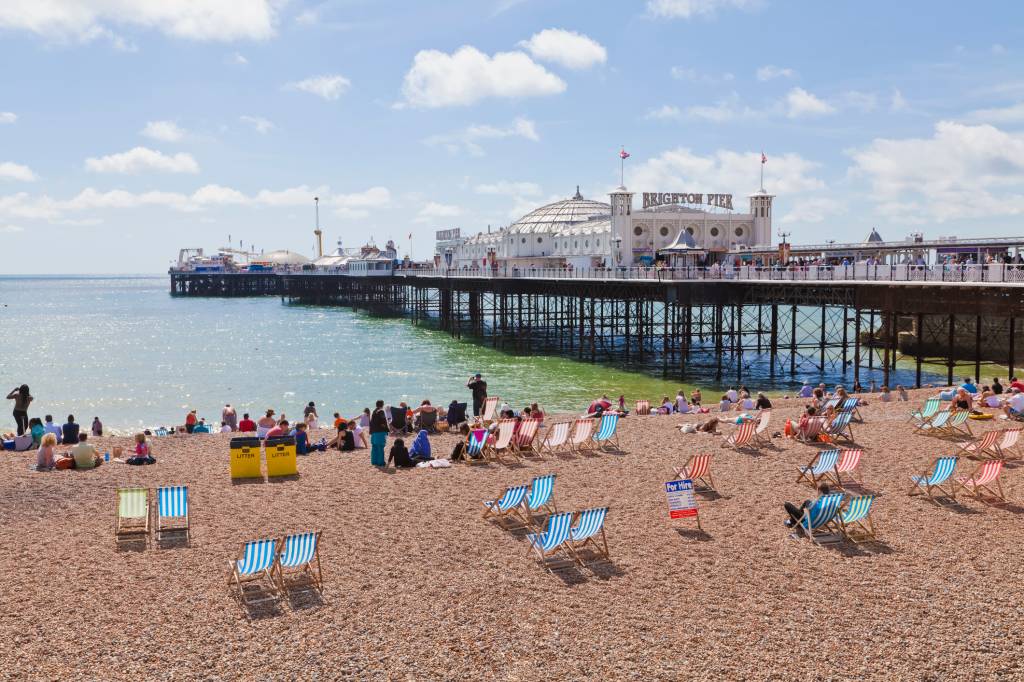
(860, 272)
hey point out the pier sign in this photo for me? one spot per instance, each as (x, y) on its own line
(669, 198)
(448, 235)
(681, 503)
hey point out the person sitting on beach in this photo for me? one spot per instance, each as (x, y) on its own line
(85, 454)
(424, 408)
(265, 424)
(1013, 406)
(745, 402)
(805, 420)
(420, 450)
(400, 455)
(1016, 383)
(796, 513)
(142, 455)
(246, 425)
(724, 405)
(885, 396)
(902, 393)
(969, 386)
(50, 427)
(97, 427)
(762, 402)
(346, 439)
(732, 394)
(225, 427)
(201, 427)
(695, 397)
(962, 400)
(312, 422)
(818, 397)
(310, 409)
(301, 438)
(683, 407)
(69, 432)
(359, 435)
(190, 421)
(806, 391)
(35, 427)
(279, 430)
(45, 459)
(997, 387)
(666, 406)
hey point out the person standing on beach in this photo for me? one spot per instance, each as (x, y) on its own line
(478, 386)
(229, 417)
(190, 421)
(21, 398)
(378, 435)
(310, 409)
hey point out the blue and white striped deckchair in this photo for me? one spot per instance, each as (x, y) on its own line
(958, 424)
(937, 422)
(590, 525)
(607, 431)
(830, 403)
(255, 565)
(553, 541)
(172, 511)
(931, 406)
(298, 553)
(820, 467)
(819, 519)
(840, 427)
(942, 471)
(855, 519)
(475, 446)
(507, 505)
(541, 489)
(850, 405)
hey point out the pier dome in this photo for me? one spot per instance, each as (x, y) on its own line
(284, 257)
(552, 217)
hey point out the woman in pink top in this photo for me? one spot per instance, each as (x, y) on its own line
(44, 457)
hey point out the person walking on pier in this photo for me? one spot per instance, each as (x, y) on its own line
(378, 435)
(479, 388)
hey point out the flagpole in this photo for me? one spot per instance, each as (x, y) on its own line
(762, 170)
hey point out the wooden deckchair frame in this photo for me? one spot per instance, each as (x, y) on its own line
(489, 407)
(240, 581)
(987, 442)
(600, 548)
(527, 447)
(131, 528)
(545, 444)
(493, 451)
(549, 559)
(732, 440)
(643, 408)
(976, 488)
(173, 527)
(812, 433)
(926, 488)
(701, 483)
(284, 574)
(807, 473)
(612, 440)
(861, 530)
(587, 444)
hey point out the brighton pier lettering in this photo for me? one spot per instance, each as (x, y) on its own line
(667, 198)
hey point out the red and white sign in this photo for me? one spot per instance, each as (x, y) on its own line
(681, 503)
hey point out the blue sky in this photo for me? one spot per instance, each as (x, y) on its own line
(132, 128)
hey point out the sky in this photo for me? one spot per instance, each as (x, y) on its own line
(132, 128)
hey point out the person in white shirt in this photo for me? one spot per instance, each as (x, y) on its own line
(50, 427)
(731, 394)
(225, 427)
(725, 404)
(1014, 405)
(681, 405)
(747, 403)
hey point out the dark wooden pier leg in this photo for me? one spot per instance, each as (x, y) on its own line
(920, 350)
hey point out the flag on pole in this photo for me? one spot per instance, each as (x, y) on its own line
(410, 235)
(623, 154)
(764, 159)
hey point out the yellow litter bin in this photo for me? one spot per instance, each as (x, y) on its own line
(245, 458)
(281, 457)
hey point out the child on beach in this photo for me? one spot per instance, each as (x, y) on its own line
(902, 392)
(44, 457)
(301, 439)
(400, 455)
(142, 454)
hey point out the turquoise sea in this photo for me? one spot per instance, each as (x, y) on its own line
(123, 349)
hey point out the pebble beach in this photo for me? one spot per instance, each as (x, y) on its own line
(418, 586)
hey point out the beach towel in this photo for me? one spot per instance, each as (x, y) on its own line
(421, 446)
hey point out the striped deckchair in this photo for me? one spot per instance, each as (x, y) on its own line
(855, 519)
(507, 505)
(761, 432)
(589, 534)
(985, 447)
(823, 464)
(490, 405)
(580, 440)
(524, 439)
(475, 446)
(931, 407)
(172, 511)
(643, 407)
(255, 566)
(982, 479)
(132, 515)
(1009, 443)
(556, 438)
(849, 463)
(552, 543)
(841, 427)
(831, 403)
(941, 472)
(959, 424)
(936, 423)
(607, 431)
(814, 427)
(819, 520)
(698, 470)
(850, 405)
(298, 552)
(742, 436)
(541, 492)
(502, 442)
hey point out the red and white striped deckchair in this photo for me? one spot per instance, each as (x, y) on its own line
(502, 441)
(643, 407)
(698, 470)
(524, 439)
(743, 436)
(556, 438)
(810, 434)
(985, 447)
(580, 440)
(982, 479)
(849, 463)
(1010, 442)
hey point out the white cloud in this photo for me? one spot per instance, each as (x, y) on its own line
(999, 49)
(468, 140)
(728, 109)
(292, 196)
(89, 199)
(686, 9)
(258, 123)
(11, 229)
(238, 59)
(507, 188)
(570, 49)
(800, 103)
(22, 205)
(432, 211)
(356, 205)
(166, 131)
(1011, 114)
(813, 210)
(862, 101)
(962, 171)
(666, 112)
(86, 20)
(686, 73)
(769, 72)
(328, 86)
(8, 117)
(15, 171)
(217, 195)
(897, 102)
(437, 79)
(141, 159)
(725, 171)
